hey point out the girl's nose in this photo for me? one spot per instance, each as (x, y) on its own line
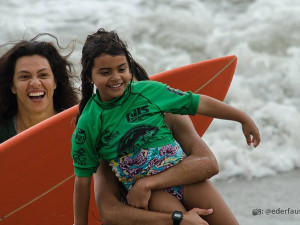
(115, 76)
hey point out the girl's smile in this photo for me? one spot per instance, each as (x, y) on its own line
(111, 76)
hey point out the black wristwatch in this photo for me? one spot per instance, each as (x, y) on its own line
(177, 217)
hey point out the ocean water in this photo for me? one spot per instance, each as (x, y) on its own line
(263, 34)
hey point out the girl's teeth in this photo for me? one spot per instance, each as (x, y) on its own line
(118, 85)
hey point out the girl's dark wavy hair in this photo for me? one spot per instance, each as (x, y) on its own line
(65, 95)
(103, 42)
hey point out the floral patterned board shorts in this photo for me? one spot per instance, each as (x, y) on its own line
(148, 162)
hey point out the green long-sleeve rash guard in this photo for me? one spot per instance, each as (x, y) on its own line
(135, 120)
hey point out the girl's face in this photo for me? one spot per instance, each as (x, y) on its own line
(111, 75)
(33, 84)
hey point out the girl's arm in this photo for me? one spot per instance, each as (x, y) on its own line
(198, 166)
(214, 108)
(81, 200)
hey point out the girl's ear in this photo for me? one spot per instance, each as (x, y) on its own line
(90, 80)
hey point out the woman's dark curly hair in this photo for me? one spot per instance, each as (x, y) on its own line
(65, 95)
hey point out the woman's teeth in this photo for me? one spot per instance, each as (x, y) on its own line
(36, 94)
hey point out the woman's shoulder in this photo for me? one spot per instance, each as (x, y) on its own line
(7, 128)
(4, 122)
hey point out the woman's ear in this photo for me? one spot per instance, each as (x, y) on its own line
(13, 89)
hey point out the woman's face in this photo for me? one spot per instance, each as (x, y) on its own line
(111, 76)
(33, 84)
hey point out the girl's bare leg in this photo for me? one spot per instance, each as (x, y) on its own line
(204, 195)
(162, 201)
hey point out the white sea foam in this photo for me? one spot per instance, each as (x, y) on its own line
(264, 34)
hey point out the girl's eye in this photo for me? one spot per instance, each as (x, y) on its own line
(122, 70)
(104, 73)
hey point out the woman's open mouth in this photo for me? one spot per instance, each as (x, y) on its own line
(36, 95)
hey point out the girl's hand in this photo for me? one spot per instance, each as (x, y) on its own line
(139, 195)
(251, 133)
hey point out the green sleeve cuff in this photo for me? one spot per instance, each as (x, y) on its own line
(195, 103)
(84, 172)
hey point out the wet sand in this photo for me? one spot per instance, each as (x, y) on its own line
(251, 200)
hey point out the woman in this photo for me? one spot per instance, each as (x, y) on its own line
(35, 84)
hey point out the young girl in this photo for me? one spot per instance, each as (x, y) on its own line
(123, 123)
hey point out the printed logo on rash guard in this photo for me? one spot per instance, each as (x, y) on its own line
(109, 137)
(176, 91)
(80, 136)
(135, 138)
(79, 157)
(137, 114)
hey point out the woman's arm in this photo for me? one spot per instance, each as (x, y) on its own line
(198, 166)
(81, 200)
(113, 211)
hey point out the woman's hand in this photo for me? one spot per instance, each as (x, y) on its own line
(192, 217)
(139, 195)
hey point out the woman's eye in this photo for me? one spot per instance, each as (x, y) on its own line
(122, 70)
(23, 77)
(43, 75)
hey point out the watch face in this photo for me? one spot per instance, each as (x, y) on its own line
(177, 217)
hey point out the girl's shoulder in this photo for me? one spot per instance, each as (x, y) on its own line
(146, 82)
(90, 111)
(146, 85)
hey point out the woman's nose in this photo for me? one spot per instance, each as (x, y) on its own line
(35, 82)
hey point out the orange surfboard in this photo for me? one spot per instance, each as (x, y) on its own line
(36, 168)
